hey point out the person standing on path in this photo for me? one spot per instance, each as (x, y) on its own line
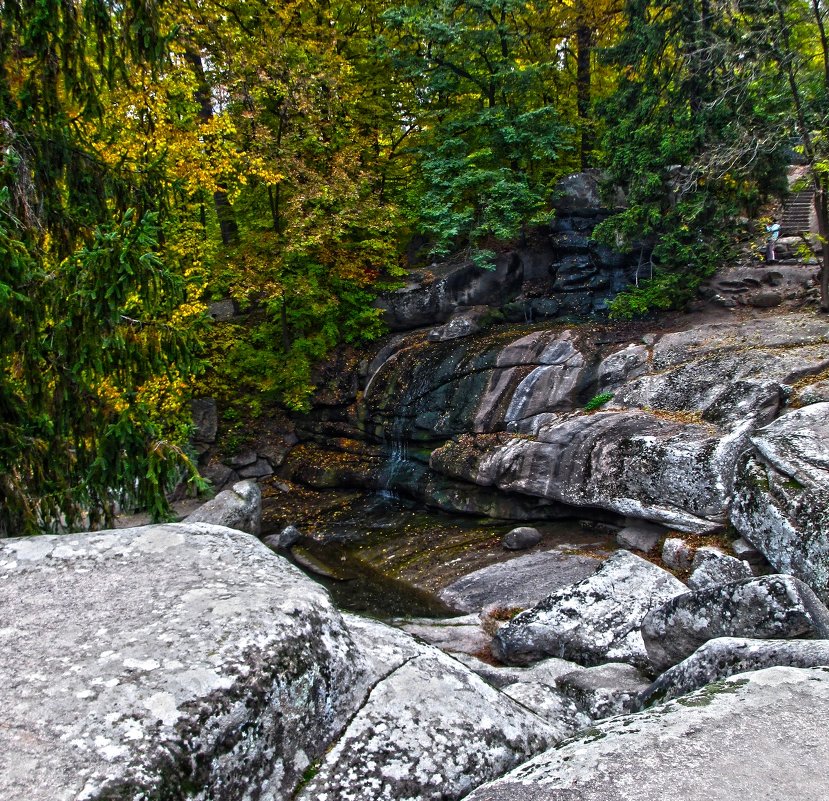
(773, 230)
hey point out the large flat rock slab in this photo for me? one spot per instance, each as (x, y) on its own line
(756, 736)
(518, 583)
(171, 661)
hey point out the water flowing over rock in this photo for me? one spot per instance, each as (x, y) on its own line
(594, 621)
(766, 607)
(781, 504)
(496, 423)
(758, 735)
(166, 661)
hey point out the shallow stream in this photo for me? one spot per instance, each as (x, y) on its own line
(382, 557)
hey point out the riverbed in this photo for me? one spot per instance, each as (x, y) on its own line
(388, 558)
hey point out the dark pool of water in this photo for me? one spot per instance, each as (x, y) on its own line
(388, 559)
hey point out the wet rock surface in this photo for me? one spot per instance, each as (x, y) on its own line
(594, 621)
(765, 607)
(166, 660)
(676, 750)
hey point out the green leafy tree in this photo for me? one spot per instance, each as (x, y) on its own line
(489, 139)
(688, 138)
(313, 124)
(798, 46)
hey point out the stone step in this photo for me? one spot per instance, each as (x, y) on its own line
(797, 212)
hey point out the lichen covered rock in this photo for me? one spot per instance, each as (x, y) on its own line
(727, 656)
(605, 690)
(765, 607)
(430, 730)
(758, 735)
(712, 567)
(594, 621)
(173, 661)
(781, 502)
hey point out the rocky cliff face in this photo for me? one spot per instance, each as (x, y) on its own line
(558, 272)
(690, 429)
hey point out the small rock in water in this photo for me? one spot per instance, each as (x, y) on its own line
(521, 538)
(313, 565)
(289, 536)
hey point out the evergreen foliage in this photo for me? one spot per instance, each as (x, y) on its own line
(95, 342)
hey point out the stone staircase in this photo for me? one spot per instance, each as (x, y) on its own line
(797, 213)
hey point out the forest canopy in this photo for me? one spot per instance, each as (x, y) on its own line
(157, 156)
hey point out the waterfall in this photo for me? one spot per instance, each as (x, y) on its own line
(397, 449)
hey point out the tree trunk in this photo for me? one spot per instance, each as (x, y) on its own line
(224, 211)
(227, 218)
(286, 339)
(822, 209)
(584, 49)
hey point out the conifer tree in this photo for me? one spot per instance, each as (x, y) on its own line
(93, 337)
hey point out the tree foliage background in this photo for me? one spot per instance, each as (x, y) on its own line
(157, 156)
